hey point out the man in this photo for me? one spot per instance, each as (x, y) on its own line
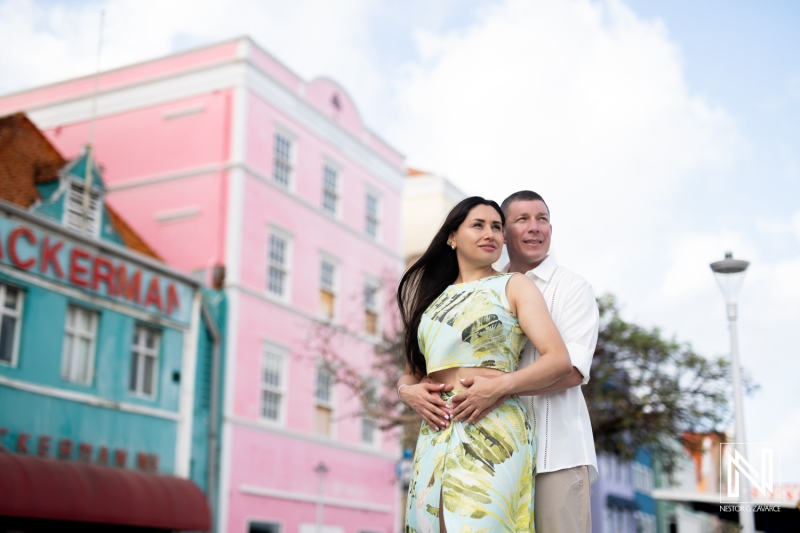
(566, 462)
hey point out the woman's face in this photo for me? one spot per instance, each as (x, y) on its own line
(479, 239)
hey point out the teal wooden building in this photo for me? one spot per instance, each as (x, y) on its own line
(109, 359)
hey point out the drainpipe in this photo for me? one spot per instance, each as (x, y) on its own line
(183, 455)
(213, 428)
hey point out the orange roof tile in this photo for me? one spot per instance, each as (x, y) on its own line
(26, 158)
(413, 172)
(129, 236)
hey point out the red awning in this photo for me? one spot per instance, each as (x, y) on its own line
(50, 489)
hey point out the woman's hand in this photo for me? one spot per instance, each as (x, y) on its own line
(482, 395)
(425, 399)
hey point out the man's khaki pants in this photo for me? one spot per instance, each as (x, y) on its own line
(561, 501)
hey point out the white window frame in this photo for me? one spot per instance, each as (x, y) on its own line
(336, 192)
(376, 217)
(69, 372)
(291, 138)
(334, 287)
(280, 355)
(13, 313)
(140, 348)
(376, 433)
(374, 283)
(330, 403)
(286, 267)
(73, 207)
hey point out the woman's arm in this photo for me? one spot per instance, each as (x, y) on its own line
(423, 396)
(527, 303)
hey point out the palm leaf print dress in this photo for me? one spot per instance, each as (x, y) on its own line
(483, 471)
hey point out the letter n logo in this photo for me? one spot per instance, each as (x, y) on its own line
(736, 464)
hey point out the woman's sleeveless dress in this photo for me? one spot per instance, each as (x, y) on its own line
(484, 471)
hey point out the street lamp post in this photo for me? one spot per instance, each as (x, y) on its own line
(730, 275)
(321, 470)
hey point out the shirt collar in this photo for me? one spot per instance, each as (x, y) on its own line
(544, 271)
(546, 268)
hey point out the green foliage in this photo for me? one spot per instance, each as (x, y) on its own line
(646, 390)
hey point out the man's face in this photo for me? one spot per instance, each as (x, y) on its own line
(527, 232)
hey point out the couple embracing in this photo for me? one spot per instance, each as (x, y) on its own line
(495, 361)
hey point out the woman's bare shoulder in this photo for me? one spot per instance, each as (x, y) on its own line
(519, 281)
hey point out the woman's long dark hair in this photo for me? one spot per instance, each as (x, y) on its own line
(430, 275)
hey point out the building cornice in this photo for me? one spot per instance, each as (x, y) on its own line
(88, 399)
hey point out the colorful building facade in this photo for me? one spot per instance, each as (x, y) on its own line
(427, 199)
(100, 374)
(622, 497)
(240, 173)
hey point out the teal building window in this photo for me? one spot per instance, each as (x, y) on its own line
(80, 338)
(144, 361)
(11, 313)
(74, 215)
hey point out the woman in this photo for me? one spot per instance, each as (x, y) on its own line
(465, 320)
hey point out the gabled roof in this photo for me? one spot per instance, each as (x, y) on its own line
(28, 159)
(76, 169)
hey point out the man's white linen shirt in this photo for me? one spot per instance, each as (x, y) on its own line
(561, 419)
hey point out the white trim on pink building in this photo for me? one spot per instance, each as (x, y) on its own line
(188, 145)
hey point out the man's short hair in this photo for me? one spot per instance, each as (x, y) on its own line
(521, 196)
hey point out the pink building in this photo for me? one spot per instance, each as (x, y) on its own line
(222, 156)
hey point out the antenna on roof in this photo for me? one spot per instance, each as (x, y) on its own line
(87, 177)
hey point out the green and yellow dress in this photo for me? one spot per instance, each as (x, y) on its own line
(484, 471)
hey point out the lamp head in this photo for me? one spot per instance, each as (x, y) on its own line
(321, 469)
(730, 276)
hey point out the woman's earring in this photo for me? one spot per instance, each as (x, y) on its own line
(452, 245)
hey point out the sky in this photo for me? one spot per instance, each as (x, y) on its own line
(661, 134)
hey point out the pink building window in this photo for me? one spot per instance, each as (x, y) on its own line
(371, 306)
(282, 168)
(278, 270)
(371, 221)
(330, 190)
(327, 289)
(324, 401)
(369, 427)
(272, 380)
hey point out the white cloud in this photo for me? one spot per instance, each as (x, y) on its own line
(578, 100)
(788, 436)
(691, 254)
